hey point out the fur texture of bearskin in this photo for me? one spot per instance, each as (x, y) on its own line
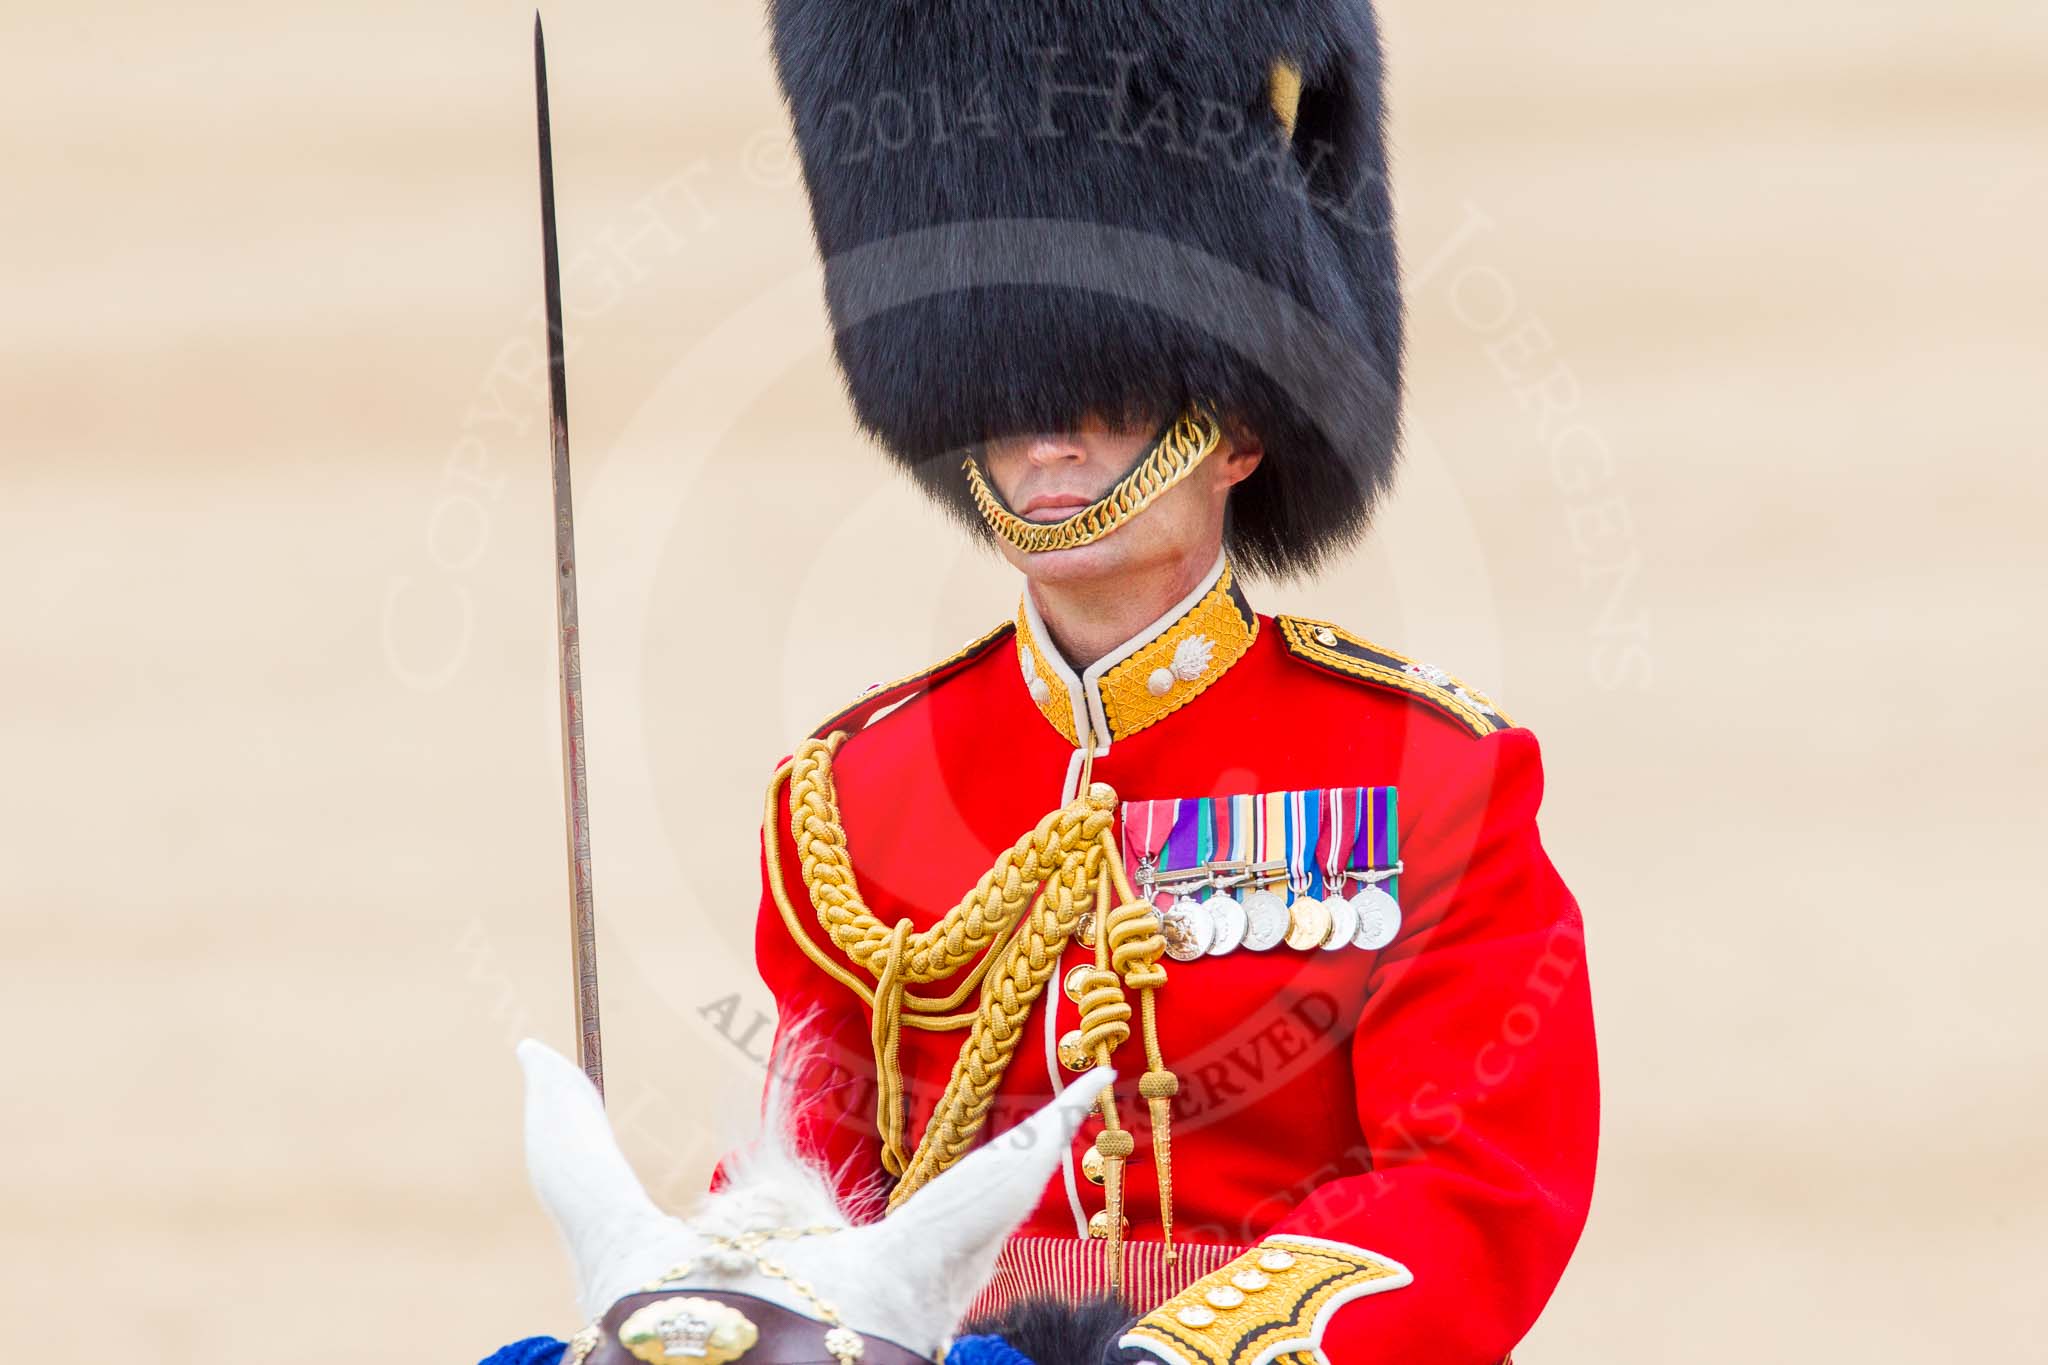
(1034, 210)
(1053, 1331)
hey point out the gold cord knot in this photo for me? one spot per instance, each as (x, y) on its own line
(1105, 1014)
(1159, 1085)
(1136, 943)
(1115, 1143)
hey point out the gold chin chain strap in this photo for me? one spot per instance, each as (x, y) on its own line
(1007, 934)
(1189, 440)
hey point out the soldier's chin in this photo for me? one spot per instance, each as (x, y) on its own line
(1102, 559)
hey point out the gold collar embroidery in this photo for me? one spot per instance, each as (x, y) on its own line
(1150, 677)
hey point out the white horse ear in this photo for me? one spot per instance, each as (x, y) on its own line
(617, 1238)
(939, 1249)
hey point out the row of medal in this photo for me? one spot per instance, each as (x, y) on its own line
(1310, 869)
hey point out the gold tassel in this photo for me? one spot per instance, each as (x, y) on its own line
(1136, 944)
(1116, 1146)
(1159, 1087)
(1105, 1024)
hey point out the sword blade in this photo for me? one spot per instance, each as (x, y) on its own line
(568, 633)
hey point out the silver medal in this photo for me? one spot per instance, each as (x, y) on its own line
(1231, 923)
(1379, 919)
(1190, 929)
(1343, 923)
(1265, 920)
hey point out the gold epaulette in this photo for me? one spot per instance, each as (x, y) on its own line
(1268, 1306)
(881, 696)
(1325, 646)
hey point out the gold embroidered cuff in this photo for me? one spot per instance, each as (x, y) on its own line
(1273, 1301)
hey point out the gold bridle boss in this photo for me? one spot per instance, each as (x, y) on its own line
(1008, 933)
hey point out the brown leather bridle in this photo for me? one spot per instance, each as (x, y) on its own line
(787, 1337)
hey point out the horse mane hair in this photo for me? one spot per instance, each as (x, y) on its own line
(1056, 1331)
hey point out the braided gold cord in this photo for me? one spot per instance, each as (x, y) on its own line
(885, 1034)
(999, 1027)
(1191, 438)
(1011, 929)
(964, 932)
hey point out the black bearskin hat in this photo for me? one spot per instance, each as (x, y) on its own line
(1034, 210)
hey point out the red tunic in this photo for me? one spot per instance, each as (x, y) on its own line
(1435, 1102)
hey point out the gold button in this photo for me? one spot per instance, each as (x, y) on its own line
(1249, 1280)
(1326, 638)
(1275, 1260)
(1073, 981)
(1072, 1056)
(1223, 1296)
(1086, 929)
(1098, 1223)
(1093, 1167)
(1194, 1315)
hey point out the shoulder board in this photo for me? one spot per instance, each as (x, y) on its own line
(1324, 646)
(882, 696)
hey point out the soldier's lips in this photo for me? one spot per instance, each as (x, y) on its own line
(1052, 506)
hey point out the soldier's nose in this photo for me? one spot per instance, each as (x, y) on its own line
(1049, 449)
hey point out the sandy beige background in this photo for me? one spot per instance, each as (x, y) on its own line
(1727, 362)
